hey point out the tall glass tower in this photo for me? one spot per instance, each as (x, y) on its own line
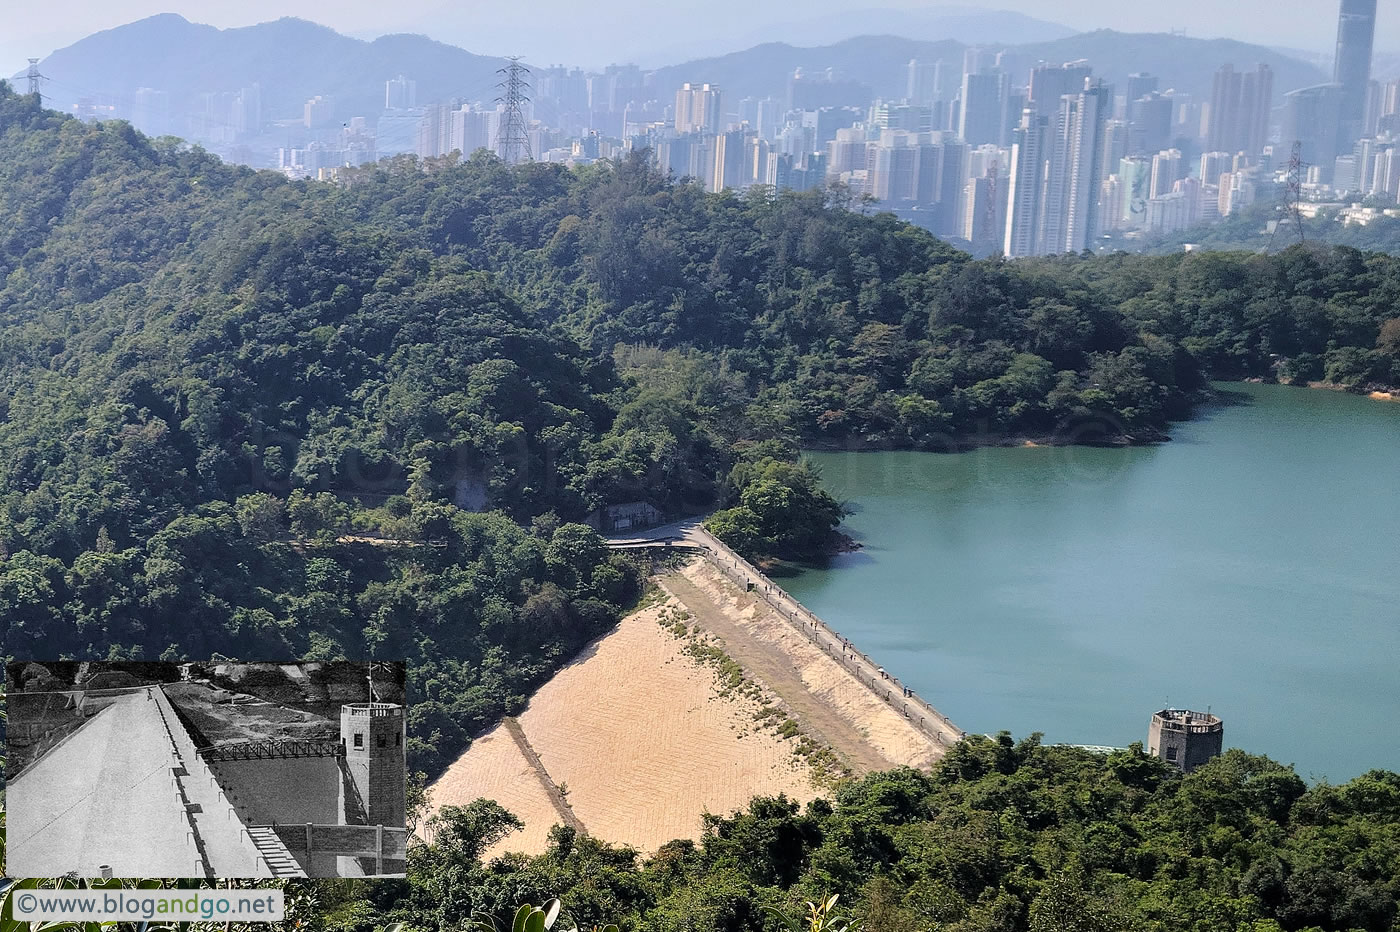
(1356, 30)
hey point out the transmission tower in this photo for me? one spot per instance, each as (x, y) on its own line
(513, 138)
(35, 79)
(1292, 196)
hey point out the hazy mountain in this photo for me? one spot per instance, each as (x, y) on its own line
(969, 25)
(291, 59)
(878, 61)
(1183, 63)
(1385, 66)
(294, 59)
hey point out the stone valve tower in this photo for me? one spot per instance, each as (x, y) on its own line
(373, 736)
(1185, 739)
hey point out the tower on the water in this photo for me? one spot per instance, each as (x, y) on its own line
(1185, 739)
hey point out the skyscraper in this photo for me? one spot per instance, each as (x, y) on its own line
(1356, 30)
(927, 81)
(1312, 117)
(400, 93)
(1168, 167)
(1238, 114)
(1151, 129)
(1069, 216)
(1026, 176)
(983, 98)
(1051, 82)
(698, 109)
(1140, 84)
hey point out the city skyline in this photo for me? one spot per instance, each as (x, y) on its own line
(591, 37)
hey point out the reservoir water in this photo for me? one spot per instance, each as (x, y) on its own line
(1250, 565)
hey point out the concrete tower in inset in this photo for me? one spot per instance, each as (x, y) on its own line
(373, 735)
(1184, 738)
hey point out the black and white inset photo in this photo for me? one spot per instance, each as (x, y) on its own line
(211, 769)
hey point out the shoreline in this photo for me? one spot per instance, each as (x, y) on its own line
(1373, 390)
(1150, 436)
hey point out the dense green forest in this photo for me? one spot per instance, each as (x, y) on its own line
(238, 413)
(1001, 837)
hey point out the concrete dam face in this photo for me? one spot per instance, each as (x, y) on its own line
(291, 791)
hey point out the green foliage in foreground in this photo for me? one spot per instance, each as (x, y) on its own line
(1002, 837)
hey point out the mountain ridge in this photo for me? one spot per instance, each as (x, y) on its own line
(294, 59)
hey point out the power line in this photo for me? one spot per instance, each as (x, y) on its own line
(513, 137)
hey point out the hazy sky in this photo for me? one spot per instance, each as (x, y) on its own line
(595, 32)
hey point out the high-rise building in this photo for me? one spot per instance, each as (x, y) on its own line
(1388, 120)
(940, 171)
(983, 106)
(977, 59)
(730, 155)
(1025, 177)
(317, 112)
(1152, 124)
(1115, 146)
(1111, 203)
(1069, 216)
(1345, 177)
(247, 111)
(1356, 31)
(769, 118)
(1215, 164)
(1167, 169)
(1135, 176)
(1385, 174)
(911, 118)
(1312, 117)
(1051, 82)
(893, 165)
(926, 81)
(473, 129)
(698, 109)
(1140, 84)
(846, 152)
(1237, 117)
(400, 93)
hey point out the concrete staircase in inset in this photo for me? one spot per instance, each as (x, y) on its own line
(274, 854)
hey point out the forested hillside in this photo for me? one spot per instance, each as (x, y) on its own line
(217, 385)
(1002, 837)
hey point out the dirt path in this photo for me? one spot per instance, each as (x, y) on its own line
(546, 781)
(771, 666)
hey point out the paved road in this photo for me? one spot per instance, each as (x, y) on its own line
(686, 532)
(106, 795)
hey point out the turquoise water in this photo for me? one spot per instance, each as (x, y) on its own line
(1250, 566)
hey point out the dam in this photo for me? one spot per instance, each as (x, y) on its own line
(691, 536)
